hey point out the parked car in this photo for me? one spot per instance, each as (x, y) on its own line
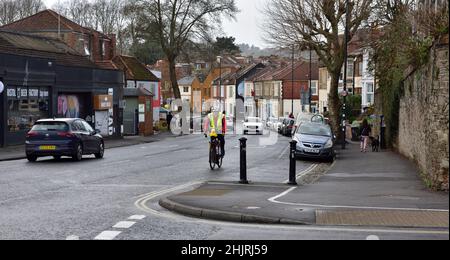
(314, 140)
(287, 127)
(308, 117)
(63, 137)
(253, 125)
(279, 124)
(271, 121)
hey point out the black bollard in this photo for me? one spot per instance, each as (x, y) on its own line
(243, 148)
(292, 164)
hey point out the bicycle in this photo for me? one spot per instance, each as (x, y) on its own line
(215, 153)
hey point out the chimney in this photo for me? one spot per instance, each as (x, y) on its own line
(113, 46)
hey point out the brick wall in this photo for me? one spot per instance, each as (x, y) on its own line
(424, 119)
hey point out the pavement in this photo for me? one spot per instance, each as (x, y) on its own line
(360, 189)
(17, 152)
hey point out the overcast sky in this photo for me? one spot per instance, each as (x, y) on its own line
(245, 29)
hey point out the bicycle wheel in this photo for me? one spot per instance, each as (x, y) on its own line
(212, 158)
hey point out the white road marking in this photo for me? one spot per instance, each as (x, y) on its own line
(274, 200)
(107, 235)
(124, 224)
(137, 217)
(372, 237)
(72, 237)
(283, 152)
(304, 172)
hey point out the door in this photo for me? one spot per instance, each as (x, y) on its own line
(92, 139)
(102, 121)
(80, 131)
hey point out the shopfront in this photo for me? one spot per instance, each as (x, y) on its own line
(34, 89)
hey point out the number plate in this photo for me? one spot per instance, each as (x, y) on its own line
(47, 147)
(317, 151)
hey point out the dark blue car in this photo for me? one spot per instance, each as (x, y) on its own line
(314, 140)
(63, 137)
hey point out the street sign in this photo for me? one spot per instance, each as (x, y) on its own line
(344, 93)
(2, 87)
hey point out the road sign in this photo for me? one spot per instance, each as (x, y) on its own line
(344, 93)
(2, 87)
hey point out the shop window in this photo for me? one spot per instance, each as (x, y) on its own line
(26, 106)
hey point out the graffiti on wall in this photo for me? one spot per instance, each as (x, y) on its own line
(68, 106)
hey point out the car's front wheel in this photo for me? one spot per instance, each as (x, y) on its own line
(101, 151)
(78, 155)
(31, 158)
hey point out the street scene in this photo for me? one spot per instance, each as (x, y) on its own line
(224, 120)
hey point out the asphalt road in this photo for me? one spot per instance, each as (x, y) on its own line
(81, 200)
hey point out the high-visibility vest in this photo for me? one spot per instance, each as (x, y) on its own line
(217, 127)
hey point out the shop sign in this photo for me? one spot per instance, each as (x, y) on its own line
(103, 102)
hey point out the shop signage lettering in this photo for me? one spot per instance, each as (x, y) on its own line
(23, 92)
(43, 94)
(33, 92)
(11, 92)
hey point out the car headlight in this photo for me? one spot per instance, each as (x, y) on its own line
(329, 144)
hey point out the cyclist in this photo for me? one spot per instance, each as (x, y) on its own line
(216, 125)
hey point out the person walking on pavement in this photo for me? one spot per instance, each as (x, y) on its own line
(216, 123)
(169, 120)
(365, 132)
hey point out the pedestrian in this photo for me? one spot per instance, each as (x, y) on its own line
(365, 132)
(169, 119)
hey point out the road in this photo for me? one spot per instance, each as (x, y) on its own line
(81, 200)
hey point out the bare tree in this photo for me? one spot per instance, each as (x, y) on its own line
(175, 22)
(13, 10)
(79, 11)
(318, 24)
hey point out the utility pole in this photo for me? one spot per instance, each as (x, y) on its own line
(219, 58)
(345, 74)
(292, 81)
(310, 80)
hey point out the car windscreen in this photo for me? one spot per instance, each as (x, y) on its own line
(314, 129)
(50, 126)
(252, 120)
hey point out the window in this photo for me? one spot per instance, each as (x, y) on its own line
(370, 93)
(231, 92)
(350, 70)
(87, 127)
(26, 106)
(314, 88)
(276, 90)
(186, 89)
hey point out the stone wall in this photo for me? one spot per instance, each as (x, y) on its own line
(424, 119)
